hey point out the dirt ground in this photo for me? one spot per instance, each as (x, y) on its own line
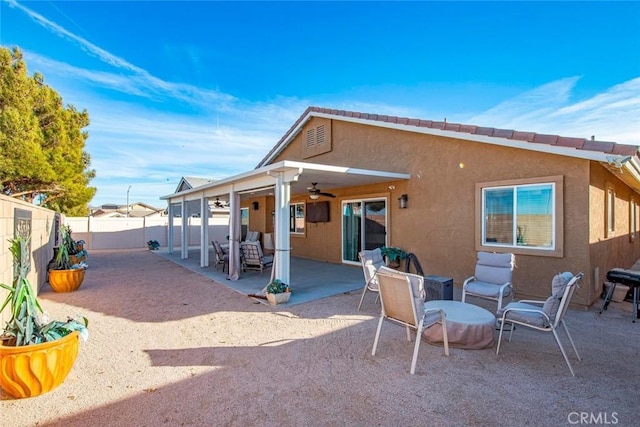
(169, 347)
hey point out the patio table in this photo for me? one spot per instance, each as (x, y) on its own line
(468, 326)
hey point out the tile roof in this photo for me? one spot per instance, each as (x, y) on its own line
(531, 137)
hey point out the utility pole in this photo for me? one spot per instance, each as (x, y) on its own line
(128, 201)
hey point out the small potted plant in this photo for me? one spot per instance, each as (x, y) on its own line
(36, 354)
(153, 245)
(278, 292)
(66, 272)
(393, 255)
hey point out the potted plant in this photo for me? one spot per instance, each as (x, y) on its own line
(278, 292)
(153, 245)
(35, 354)
(66, 273)
(393, 255)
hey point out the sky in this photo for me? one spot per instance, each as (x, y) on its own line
(207, 88)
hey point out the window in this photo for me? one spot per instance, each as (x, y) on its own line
(296, 218)
(524, 216)
(633, 219)
(244, 222)
(611, 211)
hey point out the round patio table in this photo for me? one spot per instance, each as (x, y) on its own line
(468, 326)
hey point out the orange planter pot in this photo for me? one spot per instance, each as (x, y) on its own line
(32, 370)
(66, 280)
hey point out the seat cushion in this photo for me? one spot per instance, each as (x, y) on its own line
(491, 290)
(558, 285)
(494, 268)
(531, 318)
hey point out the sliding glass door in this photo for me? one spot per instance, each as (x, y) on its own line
(364, 226)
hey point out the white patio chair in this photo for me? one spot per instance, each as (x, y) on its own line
(253, 258)
(222, 258)
(402, 300)
(546, 316)
(252, 236)
(269, 247)
(371, 260)
(492, 278)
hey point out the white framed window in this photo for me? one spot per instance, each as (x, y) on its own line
(522, 216)
(610, 214)
(633, 219)
(296, 218)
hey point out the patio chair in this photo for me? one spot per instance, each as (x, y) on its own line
(546, 316)
(492, 279)
(402, 300)
(222, 258)
(253, 258)
(269, 247)
(371, 260)
(252, 236)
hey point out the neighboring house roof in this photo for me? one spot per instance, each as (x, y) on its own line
(138, 209)
(576, 147)
(189, 182)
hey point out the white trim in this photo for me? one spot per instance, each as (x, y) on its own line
(264, 178)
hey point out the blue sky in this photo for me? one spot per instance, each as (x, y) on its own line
(206, 88)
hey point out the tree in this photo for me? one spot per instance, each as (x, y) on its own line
(42, 156)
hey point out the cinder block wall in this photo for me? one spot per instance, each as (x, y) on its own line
(42, 242)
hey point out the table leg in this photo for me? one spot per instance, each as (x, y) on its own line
(607, 297)
(634, 309)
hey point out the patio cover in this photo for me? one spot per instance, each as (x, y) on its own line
(280, 179)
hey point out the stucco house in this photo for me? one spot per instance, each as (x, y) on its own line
(134, 210)
(442, 191)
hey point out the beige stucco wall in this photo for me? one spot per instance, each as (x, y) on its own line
(439, 223)
(42, 240)
(618, 249)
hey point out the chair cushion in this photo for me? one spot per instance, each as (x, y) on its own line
(417, 286)
(530, 318)
(558, 285)
(485, 289)
(372, 260)
(494, 268)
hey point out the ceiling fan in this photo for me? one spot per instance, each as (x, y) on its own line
(315, 193)
(219, 204)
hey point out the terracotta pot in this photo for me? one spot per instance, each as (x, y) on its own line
(66, 280)
(32, 370)
(280, 298)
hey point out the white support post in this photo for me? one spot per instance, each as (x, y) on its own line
(170, 210)
(184, 253)
(282, 260)
(204, 231)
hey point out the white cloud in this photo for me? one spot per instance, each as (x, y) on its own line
(610, 116)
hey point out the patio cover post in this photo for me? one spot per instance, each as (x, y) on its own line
(234, 235)
(184, 231)
(282, 258)
(170, 234)
(204, 231)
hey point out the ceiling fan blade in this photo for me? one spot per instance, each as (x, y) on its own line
(326, 194)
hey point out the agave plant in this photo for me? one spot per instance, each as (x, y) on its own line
(278, 287)
(25, 325)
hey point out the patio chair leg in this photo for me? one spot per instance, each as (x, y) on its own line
(500, 337)
(445, 337)
(375, 341)
(564, 354)
(416, 347)
(570, 339)
(364, 291)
